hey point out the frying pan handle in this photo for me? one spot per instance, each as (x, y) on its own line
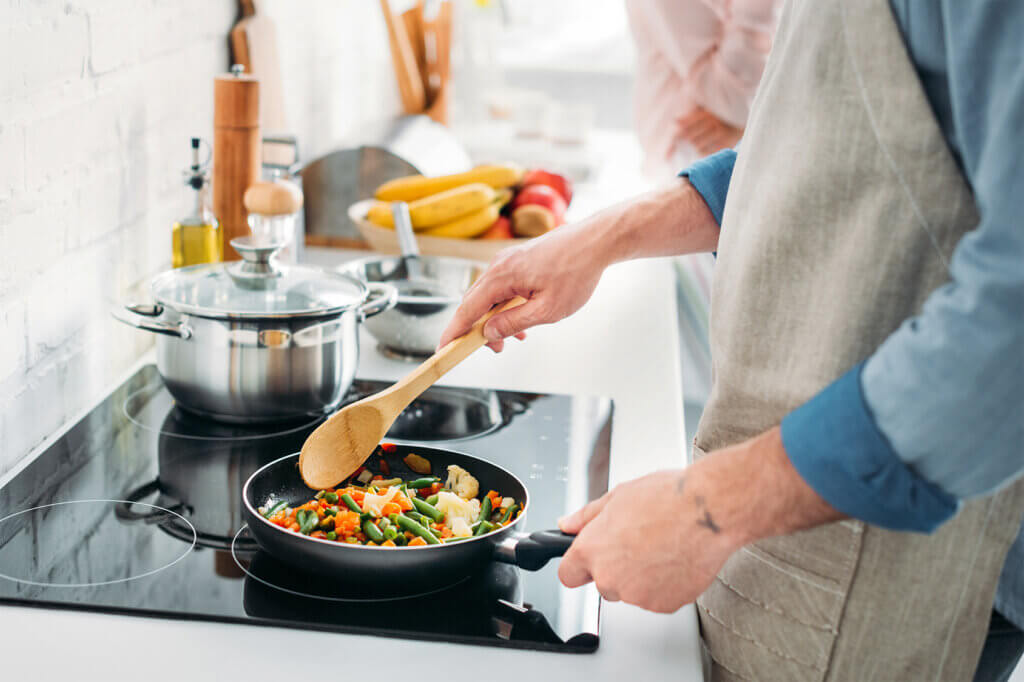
(533, 551)
(123, 510)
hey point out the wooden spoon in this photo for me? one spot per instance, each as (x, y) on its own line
(341, 444)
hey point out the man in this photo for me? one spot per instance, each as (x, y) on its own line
(868, 338)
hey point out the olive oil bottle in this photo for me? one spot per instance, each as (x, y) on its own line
(197, 238)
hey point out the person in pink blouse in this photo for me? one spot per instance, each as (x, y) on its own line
(698, 65)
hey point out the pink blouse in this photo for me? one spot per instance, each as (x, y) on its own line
(707, 53)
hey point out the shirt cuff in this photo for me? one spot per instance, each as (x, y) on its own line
(710, 177)
(838, 449)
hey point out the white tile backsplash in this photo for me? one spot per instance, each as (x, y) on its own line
(97, 101)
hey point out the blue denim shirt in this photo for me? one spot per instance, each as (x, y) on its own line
(936, 414)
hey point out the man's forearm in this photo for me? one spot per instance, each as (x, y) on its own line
(665, 222)
(751, 491)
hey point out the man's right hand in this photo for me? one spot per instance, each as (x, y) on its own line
(558, 272)
(555, 273)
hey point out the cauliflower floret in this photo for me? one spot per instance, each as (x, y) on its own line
(461, 482)
(460, 528)
(375, 503)
(454, 507)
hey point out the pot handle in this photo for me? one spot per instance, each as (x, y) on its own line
(382, 297)
(533, 551)
(143, 316)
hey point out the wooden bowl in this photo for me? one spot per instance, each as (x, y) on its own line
(385, 240)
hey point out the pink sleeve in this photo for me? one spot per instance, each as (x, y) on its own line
(707, 53)
(723, 79)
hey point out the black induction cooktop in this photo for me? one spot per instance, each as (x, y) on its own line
(137, 510)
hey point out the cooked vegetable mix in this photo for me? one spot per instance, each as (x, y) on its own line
(373, 510)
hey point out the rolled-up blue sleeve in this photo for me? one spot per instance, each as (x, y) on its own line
(837, 448)
(947, 388)
(710, 177)
(936, 414)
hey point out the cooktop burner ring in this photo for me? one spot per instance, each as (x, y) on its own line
(155, 398)
(187, 546)
(364, 600)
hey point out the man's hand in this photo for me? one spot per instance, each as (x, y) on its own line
(648, 542)
(558, 272)
(555, 273)
(658, 542)
(706, 132)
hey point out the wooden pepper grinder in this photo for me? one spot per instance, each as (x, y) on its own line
(236, 150)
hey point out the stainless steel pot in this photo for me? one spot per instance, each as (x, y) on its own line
(253, 341)
(414, 326)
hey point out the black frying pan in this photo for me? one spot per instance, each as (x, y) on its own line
(382, 571)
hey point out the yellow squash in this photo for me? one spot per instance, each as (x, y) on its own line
(414, 187)
(437, 209)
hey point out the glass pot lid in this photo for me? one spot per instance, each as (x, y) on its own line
(256, 287)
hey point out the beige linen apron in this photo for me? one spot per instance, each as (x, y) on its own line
(844, 209)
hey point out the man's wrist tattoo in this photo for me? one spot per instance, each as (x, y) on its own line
(705, 520)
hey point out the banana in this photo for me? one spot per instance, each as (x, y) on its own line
(414, 187)
(437, 209)
(468, 226)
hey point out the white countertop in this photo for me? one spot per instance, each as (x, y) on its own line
(623, 344)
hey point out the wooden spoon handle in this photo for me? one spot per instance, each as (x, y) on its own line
(457, 350)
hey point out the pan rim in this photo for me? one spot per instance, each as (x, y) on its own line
(255, 512)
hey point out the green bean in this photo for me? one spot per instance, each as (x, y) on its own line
(423, 482)
(509, 512)
(390, 533)
(331, 511)
(393, 518)
(484, 528)
(332, 498)
(388, 482)
(416, 516)
(401, 540)
(307, 521)
(405, 523)
(457, 538)
(331, 535)
(383, 522)
(432, 499)
(319, 494)
(424, 507)
(372, 531)
(276, 508)
(485, 509)
(351, 504)
(325, 523)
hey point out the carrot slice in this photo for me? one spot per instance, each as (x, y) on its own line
(417, 542)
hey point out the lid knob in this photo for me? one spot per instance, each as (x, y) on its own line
(256, 270)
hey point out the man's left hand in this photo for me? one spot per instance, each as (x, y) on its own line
(648, 542)
(658, 541)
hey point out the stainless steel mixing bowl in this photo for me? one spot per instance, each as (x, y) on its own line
(413, 327)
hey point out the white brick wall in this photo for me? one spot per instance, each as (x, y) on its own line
(97, 101)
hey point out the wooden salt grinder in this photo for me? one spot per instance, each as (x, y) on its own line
(236, 150)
